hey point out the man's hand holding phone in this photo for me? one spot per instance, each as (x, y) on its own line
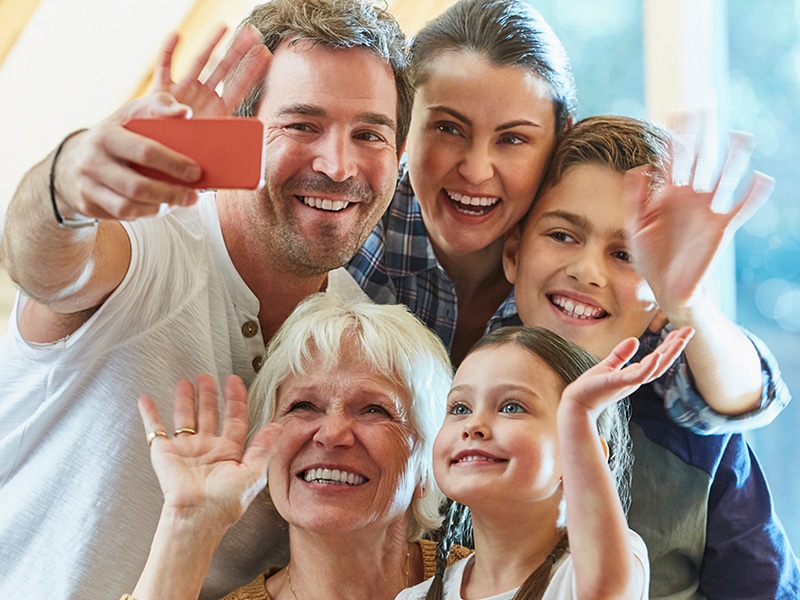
(229, 150)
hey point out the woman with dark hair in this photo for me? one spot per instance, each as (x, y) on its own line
(494, 90)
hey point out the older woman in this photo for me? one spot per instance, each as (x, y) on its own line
(353, 394)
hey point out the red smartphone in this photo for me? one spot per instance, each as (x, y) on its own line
(229, 150)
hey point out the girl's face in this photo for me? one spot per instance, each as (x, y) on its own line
(498, 444)
(480, 138)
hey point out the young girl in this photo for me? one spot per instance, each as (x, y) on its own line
(536, 447)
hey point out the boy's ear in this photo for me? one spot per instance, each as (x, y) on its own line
(511, 251)
(658, 322)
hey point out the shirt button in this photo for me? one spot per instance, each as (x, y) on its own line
(258, 361)
(249, 329)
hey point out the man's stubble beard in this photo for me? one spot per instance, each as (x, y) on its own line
(295, 253)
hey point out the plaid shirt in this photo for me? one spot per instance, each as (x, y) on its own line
(397, 265)
(686, 406)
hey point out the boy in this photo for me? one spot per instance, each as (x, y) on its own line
(699, 501)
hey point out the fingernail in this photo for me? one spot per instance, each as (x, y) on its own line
(192, 173)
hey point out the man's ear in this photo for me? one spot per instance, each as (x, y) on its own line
(658, 322)
(511, 252)
(604, 444)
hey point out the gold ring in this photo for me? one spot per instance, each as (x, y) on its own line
(154, 434)
(184, 430)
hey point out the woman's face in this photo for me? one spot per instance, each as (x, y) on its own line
(342, 460)
(480, 138)
(498, 445)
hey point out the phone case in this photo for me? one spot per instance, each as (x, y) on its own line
(229, 150)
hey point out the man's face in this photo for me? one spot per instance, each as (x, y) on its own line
(331, 155)
(571, 269)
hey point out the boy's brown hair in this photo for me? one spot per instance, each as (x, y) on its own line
(619, 143)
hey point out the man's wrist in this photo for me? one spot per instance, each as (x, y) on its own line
(63, 222)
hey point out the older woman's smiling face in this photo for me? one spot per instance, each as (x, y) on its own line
(342, 460)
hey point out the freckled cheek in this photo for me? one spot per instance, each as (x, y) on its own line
(430, 162)
(521, 180)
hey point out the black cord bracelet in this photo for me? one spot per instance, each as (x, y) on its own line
(62, 222)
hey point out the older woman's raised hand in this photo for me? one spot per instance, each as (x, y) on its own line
(205, 474)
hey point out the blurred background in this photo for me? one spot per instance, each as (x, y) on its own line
(66, 64)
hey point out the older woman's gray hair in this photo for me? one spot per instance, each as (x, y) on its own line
(395, 344)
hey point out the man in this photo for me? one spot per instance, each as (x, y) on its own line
(127, 306)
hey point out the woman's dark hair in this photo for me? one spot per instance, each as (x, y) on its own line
(506, 32)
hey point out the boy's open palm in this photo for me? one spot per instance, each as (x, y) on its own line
(674, 234)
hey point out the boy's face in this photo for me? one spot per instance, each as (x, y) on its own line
(571, 268)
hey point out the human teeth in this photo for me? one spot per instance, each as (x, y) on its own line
(577, 310)
(473, 200)
(473, 458)
(322, 475)
(325, 204)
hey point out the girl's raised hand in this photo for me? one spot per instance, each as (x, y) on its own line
(611, 380)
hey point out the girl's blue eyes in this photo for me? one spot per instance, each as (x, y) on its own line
(509, 407)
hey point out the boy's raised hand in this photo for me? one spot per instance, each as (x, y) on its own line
(208, 475)
(675, 235)
(611, 380)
